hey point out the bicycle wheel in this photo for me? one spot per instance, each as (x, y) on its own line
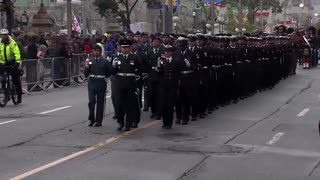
(14, 94)
(3, 97)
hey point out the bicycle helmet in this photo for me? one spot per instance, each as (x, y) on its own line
(4, 32)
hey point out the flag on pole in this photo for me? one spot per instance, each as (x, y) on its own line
(75, 24)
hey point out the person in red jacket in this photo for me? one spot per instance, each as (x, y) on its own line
(86, 46)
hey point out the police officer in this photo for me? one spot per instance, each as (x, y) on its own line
(169, 68)
(97, 69)
(125, 67)
(10, 55)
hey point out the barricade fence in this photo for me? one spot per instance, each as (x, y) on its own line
(56, 72)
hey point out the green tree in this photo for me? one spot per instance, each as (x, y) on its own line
(119, 8)
(254, 6)
(231, 23)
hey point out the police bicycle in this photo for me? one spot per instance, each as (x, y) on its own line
(8, 90)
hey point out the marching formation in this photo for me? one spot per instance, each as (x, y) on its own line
(185, 76)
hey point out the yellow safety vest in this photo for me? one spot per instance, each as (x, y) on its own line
(12, 52)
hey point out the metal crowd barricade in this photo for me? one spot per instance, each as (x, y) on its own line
(30, 75)
(40, 74)
(77, 63)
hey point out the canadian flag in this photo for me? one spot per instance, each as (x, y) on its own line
(75, 24)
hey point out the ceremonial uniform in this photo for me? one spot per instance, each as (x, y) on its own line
(97, 69)
(169, 69)
(152, 92)
(125, 68)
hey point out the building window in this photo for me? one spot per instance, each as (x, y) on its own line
(33, 1)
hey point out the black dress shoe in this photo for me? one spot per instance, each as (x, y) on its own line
(178, 121)
(168, 127)
(115, 117)
(202, 116)
(193, 119)
(152, 116)
(164, 127)
(127, 129)
(184, 122)
(91, 123)
(120, 127)
(157, 117)
(134, 125)
(98, 125)
(145, 109)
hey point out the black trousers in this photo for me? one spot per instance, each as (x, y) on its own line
(114, 95)
(96, 100)
(15, 74)
(127, 106)
(153, 96)
(168, 98)
(186, 97)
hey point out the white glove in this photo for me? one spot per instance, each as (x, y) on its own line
(87, 63)
(187, 62)
(114, 63)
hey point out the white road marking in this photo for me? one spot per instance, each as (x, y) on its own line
(6, 122)
(303, 112)
(54, 110)
(275, 138)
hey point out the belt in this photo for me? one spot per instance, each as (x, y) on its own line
(186, 72)
(205, 67)
(126, 74)
(97, 76)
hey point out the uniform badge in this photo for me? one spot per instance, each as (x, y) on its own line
(132, 62)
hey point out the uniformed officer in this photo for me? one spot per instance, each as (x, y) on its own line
(152, 91)
(114, 91)
(145, 68)
(169, 68)
(187, 84)
(125, 67)
(97, 69)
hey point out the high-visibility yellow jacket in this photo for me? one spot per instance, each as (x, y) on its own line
(12, 52)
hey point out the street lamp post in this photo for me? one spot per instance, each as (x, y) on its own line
(301, 5)
(315, 18)
(69, 19)
(194, 14)
(208, 26)
(175, 20)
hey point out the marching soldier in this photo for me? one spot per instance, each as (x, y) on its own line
(125, 67)
(114, 91)
(152, 91)
(97, 69)
(145, 68)
(187, 84)
(169, 68)
(196, 75)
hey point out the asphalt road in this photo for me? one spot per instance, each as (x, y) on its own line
(269, 136)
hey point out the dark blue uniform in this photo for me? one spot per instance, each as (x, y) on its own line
(99, 69)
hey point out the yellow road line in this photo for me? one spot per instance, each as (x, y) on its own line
(79, 153)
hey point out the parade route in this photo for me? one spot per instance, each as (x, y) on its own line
(271, 135)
